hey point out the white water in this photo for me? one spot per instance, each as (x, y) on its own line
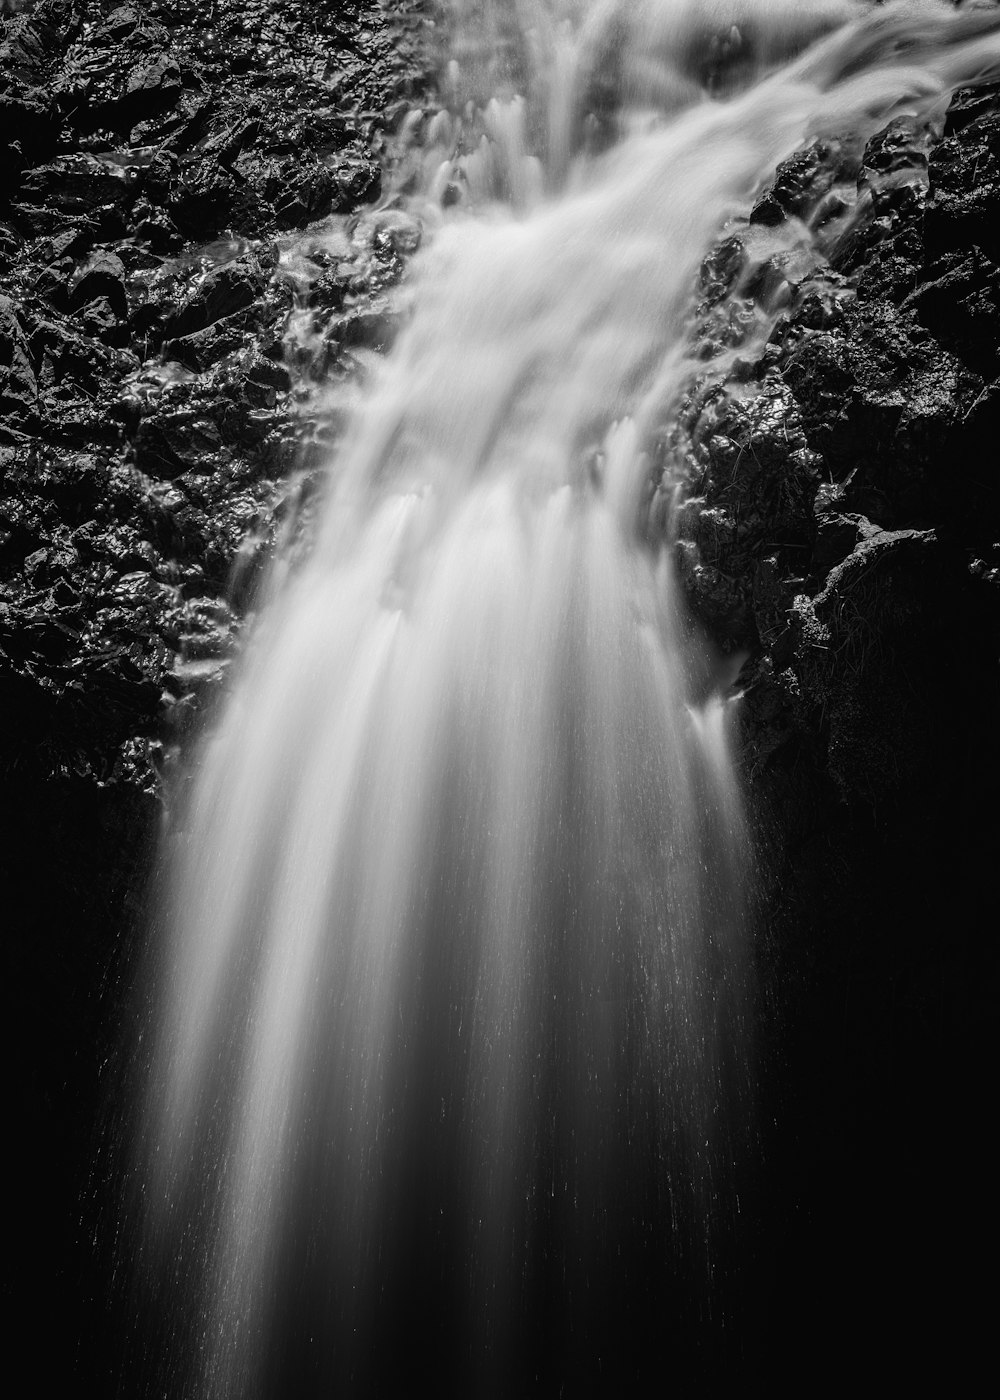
(452, 1054)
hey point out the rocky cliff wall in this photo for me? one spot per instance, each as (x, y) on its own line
(157, 161)
(842, 533)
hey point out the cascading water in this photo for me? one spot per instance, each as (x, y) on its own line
(451, 1074)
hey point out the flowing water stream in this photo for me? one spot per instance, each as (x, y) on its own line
(453, 1064)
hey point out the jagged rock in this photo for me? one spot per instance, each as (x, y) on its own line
(204, 194)
(958, 296)
(855, 650)
(127, 75)
(838, 575)
(227, 290)
(103, 275)
(203, 348)
(721, 268)
(18, 387)
(965, 181)
(74, 184)
(757, 479)
(146, 114)
(799, 184)
(879, 399)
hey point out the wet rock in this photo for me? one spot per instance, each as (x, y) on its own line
(307, 195)
(799, 184)
(152, 88)
(369, 329)
(102, 276)
(757, 479)
(119, 24)
(840, 558)
(155, 228)
(870, 689)
(965, 188)
(71, 185)
(202, 198)
(128, 74)
(225, 291)
(18, 387)
(968, 105)
(721, 269)
(28, 129)
(154, 473)
(201, 349)
(879, 400)
(900, 148)
(855, 652)
(176, 441)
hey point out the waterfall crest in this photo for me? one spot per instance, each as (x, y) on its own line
(452, 1055)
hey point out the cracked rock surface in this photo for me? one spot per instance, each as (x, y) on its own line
(160, 165)
(841, 535)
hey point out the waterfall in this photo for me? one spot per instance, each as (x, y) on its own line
(451, 1077)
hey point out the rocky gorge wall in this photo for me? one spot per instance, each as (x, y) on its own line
(843, 535)
(156, 162)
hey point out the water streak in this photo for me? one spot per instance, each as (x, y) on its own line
(452, 1074)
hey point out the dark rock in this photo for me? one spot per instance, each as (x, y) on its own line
(309, 195)
(357, 182)
(960, 304)
(118, 25)
(965, 191)
(128, 75)
(371, 330)
(28, 129)
(968, 105)
(227, 290)
(203, 198)
(856, 656)
(103, 275)
(203, 348)
(721, 269)
(873, 810)
(799, 183)
(174, 442)
(99, 318)
(75, 184)
(18, 387)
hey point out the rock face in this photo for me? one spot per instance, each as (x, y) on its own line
(157, 161)
(843, 531)
(142, 325)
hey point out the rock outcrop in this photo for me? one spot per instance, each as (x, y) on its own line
(842, 532)
(158, 162)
